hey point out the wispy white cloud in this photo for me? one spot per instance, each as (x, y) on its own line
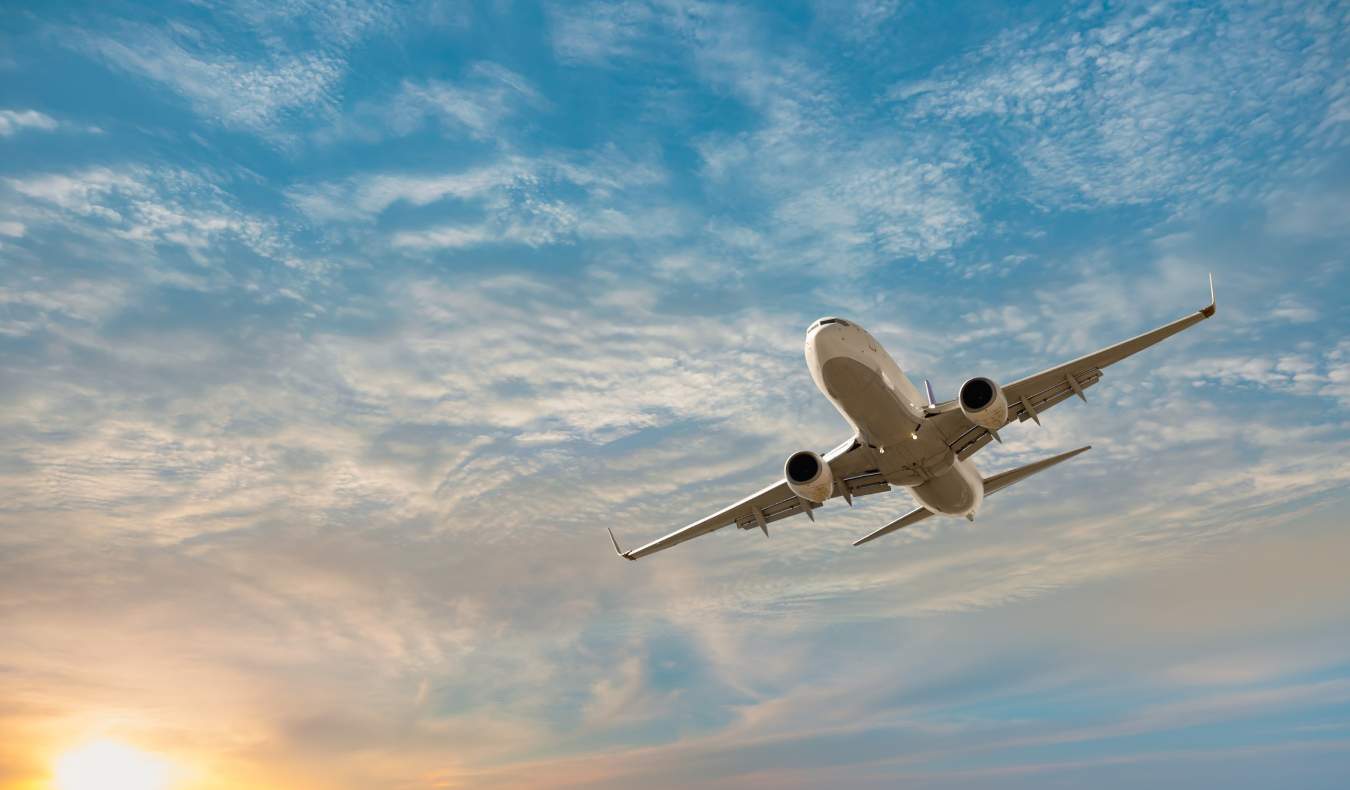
(519, 198)
(285, 502)
(396, 479)
(142, 204)
(479, 108)
(290, 63)
(541, 223)
(1296, 374)
(599, 32)
(481, 105)
(14, 121)
(1129, 105)
(227, 89)
(368, 196)
(1309, 211)
(844, 195)
(1338, 373)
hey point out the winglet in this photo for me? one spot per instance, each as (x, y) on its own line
(615, 541)
(928, 388)
(1209, 310)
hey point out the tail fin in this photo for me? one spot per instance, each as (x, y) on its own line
(1004, 479)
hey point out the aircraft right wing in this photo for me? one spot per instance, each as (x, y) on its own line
(855, 474)
(1028, 397)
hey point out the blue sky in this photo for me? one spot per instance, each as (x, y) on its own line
(333, 335)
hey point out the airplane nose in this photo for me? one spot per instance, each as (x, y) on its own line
(825, 340)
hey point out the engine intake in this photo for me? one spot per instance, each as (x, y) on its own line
(983, 403)
(809, 476)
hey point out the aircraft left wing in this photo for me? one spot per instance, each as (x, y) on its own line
(1028, 397)
(855, 474)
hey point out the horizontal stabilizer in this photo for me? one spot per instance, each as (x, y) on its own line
(912, 517)
(1002, 480)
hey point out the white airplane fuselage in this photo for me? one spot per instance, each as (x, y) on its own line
(886, 412)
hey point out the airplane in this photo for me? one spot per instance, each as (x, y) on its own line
(902, 438)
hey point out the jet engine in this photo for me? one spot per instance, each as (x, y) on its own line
(809, 476)
(983, 403)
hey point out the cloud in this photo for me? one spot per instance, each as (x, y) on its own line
(843, 193)
(480, 109)
(306, 454)
(835, 190)
(171, 470)
(139, 204)
(1289, 308)
(226, 89)
(80, 193)
(351, 500)
(1296, 374)
(599, 32)
(456, 237)
(1337, 380)
(480, 105)
(284, 63)
(1308, 212)
(530, 201)
(14, 121)
(368, 196)
(1143, 103)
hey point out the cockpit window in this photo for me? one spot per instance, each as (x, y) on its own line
(839, 321)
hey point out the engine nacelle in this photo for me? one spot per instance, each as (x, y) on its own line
(809, 476)
(983, 403)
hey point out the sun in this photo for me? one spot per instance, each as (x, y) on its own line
(109, 765)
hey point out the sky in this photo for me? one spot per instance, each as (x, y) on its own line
(334, 333)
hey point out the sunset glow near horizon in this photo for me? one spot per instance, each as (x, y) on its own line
(334, 333)
(109, 765)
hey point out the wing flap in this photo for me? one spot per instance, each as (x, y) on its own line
(778, 510)
(866, 488)
(1052, 393)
